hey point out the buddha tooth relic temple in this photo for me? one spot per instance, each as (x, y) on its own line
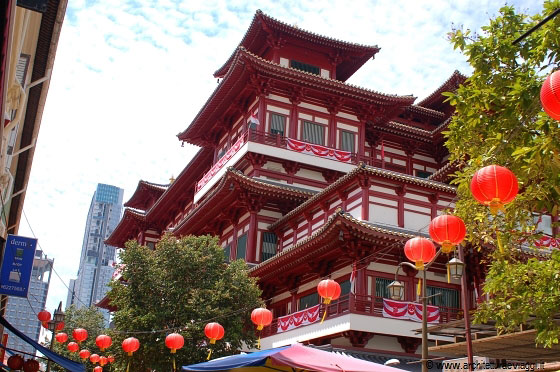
(304, 177)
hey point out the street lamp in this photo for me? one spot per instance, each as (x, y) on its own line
(396, 290)
(52, 325)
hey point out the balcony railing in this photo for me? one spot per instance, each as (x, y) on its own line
(279, 141)
(364, 305)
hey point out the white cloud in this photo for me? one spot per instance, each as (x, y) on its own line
(129, 76)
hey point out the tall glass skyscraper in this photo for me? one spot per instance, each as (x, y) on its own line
(97, 259)
(22, 312)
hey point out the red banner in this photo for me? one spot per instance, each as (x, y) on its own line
(301, 318)
(220, 163)
(318, 150)
(548, 242)
(408, 310)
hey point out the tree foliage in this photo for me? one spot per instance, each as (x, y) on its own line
(89, 318)
(499, 120)
(181, 286)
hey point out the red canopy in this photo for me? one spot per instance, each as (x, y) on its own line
(299, 356)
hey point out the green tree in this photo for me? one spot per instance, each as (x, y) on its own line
(181, 286)
(499, 120)
(89, 318)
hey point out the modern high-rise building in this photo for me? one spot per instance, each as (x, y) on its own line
(97, 259)
(22, 312)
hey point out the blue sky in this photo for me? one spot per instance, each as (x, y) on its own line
(130, 75)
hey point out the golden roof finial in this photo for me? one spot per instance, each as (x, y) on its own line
(171, 180)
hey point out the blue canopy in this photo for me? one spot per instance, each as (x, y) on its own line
(65, 363)
(235, 361)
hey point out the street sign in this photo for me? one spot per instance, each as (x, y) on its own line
(17, 265)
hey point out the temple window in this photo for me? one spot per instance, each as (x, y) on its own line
(313, 133)
(305, 67)
(277, 124)
(241, 247)
(345, 287)
(269, 245)
(423, 174)
(448, 297)
(308, 301)
(221, 153)
(227, 251)
(381, 287)
(347, 141)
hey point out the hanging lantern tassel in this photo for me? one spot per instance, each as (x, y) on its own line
(419, 288)
(448, 275)
(128, 365)
(259, 340)
(209, 354)
(325, 312)
(174, 368)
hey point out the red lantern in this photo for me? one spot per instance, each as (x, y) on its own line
(15, 362)
(420, 251)
(494, 186)
(44, 316)
(261, 317)
(130, 345)
(59, 326)
(550, 95)
(31, 365)
(61, 337)
(98, 369)
(110, 359)
(103, 361)
(329, 290)
(103, 342)
(84, 354)
(80, 334)
(94, 358)
(448, 231)
(214, 331)
(174, 341)
(72, 347)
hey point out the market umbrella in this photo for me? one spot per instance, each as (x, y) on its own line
(287, 358)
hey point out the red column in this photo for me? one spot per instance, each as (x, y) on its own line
(332, 130)
(400, 213)
(262, 113)
(252, 238)
(234, 243)
(364, 184)
(292, 133)
(362, 140)
(293, 305)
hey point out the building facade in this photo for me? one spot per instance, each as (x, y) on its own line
(97, 259)
(305, 177)
(22, 312)
(30, 32)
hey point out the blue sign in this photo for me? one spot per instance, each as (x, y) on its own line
(17, 265)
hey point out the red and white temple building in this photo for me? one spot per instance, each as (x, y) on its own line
(305, 177)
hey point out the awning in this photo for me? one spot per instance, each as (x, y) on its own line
(65, 363)
(288, 357)
(512, 346)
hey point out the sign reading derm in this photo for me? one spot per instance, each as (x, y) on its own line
(17, 265)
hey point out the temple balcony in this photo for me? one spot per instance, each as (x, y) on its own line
(350, 313)
(285, 148)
